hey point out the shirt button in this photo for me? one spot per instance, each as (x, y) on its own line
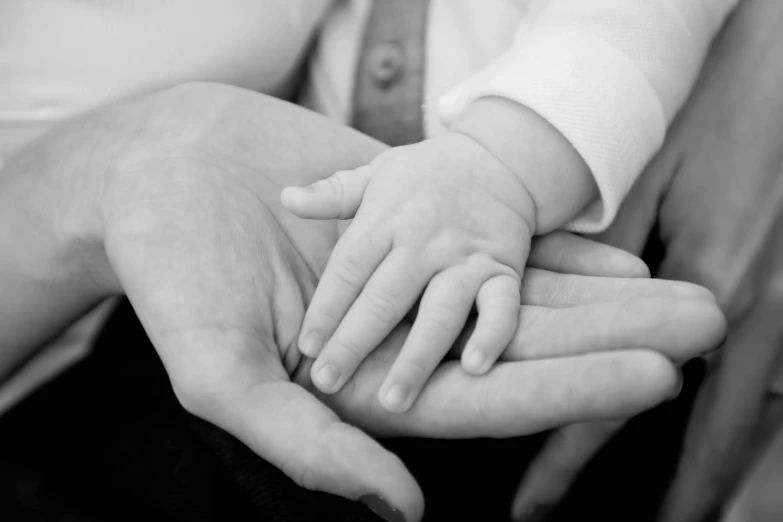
(386, 63)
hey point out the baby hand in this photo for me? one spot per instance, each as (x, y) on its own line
(443, 217)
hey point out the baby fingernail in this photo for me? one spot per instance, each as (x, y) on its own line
(310, 344)
(328, 377)
(395, 397)
(378, 506)
(476, 360)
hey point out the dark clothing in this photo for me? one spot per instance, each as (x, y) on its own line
(107, 441)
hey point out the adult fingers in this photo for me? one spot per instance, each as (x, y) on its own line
(680, 328)
(530, 396)
(335, 197)
(294, 431)
(544, 288)
(219, 344)
(243, 389)
(549, 477)
(513, 398)
(568, 253)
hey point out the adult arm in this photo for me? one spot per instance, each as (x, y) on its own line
(42, 267)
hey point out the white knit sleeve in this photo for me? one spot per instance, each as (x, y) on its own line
(610, 75)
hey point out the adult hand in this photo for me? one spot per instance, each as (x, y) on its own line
(718, 184)
(192, 182)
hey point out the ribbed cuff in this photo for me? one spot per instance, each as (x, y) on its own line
(590, 92)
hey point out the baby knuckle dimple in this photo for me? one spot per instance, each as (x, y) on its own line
(322, 318)
(347, 272)
(504, 296)
(383, 306)
(496, 264)
(442, 248)
(442, 317)
(348, 352)
(335, 185)
(416, 369)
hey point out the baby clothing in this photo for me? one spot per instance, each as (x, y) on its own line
(610, 75)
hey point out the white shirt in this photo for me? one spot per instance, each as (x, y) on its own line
(609, 74)
(60, 58)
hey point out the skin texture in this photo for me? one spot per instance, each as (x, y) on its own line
(715, 193)
(427, 223)
(447, 222)
(190, 177)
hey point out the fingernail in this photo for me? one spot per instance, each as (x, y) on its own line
(328, 377)
(379, 506)
(395, 397)
(476, 361)
(678, 387)
(538, 513)
(310, 344)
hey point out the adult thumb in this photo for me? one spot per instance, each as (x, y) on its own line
(289, 427)
(237, 382)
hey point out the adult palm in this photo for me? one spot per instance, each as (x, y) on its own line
(182, 215)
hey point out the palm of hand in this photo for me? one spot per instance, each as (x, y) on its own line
(225, 296)
(232, 275)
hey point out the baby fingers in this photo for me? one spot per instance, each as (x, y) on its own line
(353, 261)
(444, 308)
(336, 197)
(390, 293)
(498, 313)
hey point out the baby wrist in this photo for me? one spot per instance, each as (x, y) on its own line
(551, 170)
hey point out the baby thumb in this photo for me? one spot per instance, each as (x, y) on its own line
(336, 197)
